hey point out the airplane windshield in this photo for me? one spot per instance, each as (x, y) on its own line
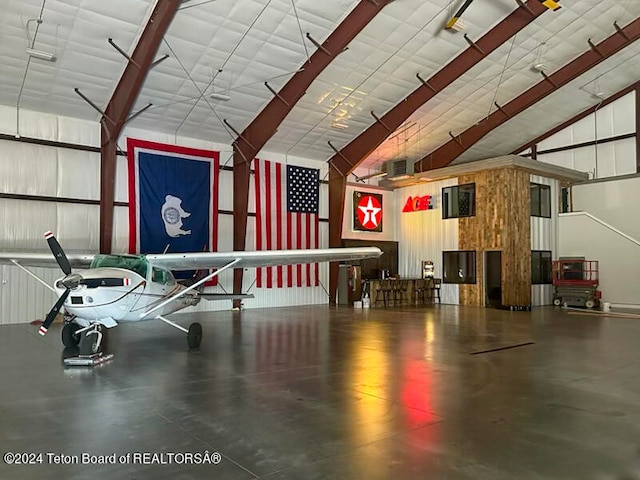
(134, 263)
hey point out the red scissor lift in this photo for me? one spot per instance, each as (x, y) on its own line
(576, 283)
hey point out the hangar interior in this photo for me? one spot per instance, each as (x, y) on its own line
(517, 121)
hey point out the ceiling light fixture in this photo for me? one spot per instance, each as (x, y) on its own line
(458, 26)
(371, 175)
(220, 96)
(404, 176)
(50, 57)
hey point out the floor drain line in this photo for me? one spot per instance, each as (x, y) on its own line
(508, 347)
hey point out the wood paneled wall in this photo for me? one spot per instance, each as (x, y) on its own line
(502, 222)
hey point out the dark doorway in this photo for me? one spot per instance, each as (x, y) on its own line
(493, 279)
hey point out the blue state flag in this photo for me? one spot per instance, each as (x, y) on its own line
(173, 198)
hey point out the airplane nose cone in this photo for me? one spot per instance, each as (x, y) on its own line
(71, 281)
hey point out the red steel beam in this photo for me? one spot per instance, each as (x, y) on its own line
(362, 146)
(577, 118)
(444, 155)
(344, 162)
(337, 190)
(265, 124)
(119, 107)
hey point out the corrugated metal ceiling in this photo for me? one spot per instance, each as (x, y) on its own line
(232, 47)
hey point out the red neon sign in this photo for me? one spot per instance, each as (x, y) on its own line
(416, 204)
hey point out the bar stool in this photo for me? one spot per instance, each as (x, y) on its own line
(419, 287)
(400, 291)
(383, 290)
(427, 295)
(437, 283)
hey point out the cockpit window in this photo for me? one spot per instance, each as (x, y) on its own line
(134, 263)
(162, 276)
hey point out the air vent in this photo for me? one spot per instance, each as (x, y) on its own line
(395, 168)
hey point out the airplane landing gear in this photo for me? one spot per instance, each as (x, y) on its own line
(90, 345)
(70, 338)
(91, 341)
(194, 336)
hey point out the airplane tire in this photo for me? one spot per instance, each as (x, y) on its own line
(557, 302)
(69, 337)
(88, 344)
(194, 337)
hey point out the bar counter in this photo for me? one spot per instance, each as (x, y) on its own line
(404, 291)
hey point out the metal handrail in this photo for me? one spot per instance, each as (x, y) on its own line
(603, 223)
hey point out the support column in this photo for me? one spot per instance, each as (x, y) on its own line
(119, 108)
(107, 187)
(241, 177)
(337, 190)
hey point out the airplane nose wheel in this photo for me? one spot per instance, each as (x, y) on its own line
(70, 338)
(90, 348)
(194, 335)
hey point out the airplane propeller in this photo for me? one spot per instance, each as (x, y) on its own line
(58, 253)
(67, 282)
(51, 316)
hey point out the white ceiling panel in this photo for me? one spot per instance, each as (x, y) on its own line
(232, 47)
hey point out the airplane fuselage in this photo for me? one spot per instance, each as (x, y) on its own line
(111, 304)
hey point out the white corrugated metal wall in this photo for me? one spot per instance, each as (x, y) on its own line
(544, 236)
(600, 160)
(425, 235)
(22, 299)
(29, 169)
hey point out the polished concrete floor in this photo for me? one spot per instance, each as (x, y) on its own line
(334, 393)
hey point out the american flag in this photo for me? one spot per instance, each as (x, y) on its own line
(287, 199)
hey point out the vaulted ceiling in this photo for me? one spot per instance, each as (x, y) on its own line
(230, 48)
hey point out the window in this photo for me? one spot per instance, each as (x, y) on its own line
(459, 267)
(162, 276)
(459, 201)
(157, 276)
(540, 267)
(135, 263)
(540, 200)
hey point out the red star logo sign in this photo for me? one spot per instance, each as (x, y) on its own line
(369, 212)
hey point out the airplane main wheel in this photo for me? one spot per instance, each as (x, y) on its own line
(69, 337)
(557, 302)
(89, 344)
(194, 337)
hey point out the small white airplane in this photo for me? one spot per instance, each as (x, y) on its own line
(130, 288)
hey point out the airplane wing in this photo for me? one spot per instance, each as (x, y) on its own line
(205, 260)
(262, 258)
(36, 259)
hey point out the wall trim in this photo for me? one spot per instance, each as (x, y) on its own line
(591, 143)
(86, 201)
